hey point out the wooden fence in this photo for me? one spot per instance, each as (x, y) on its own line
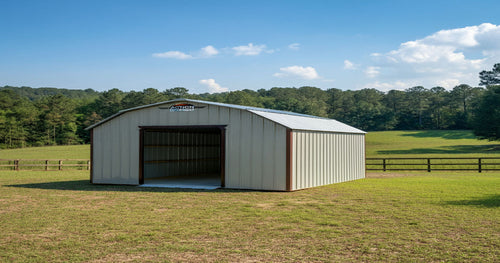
(434, 164)
(372, 164)
(44, 164)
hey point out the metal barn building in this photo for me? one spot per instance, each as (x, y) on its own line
(226, 145)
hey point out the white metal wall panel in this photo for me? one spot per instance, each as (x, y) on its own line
(110, 164)
(245, 155)
(279, 157)
(257, 139)
(232, 148)
(97, 158)
(321, 158)
(269, 148)
(255, 147)
(124, 147)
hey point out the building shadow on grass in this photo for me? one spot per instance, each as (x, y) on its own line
(84, 185)
(490, 201)
(455, 149)
(452, 135)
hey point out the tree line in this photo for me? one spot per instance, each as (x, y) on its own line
(49, 116)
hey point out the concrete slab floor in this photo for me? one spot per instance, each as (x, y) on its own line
(192, 182)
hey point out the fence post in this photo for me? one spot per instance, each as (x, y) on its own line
(60, 164)
(479, 164)
(46, 165)
(16, 163)
(383, 162)
(88, 165)
(429, 165)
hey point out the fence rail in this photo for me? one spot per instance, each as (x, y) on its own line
(372, 164)
(44, 164)
(434, 164)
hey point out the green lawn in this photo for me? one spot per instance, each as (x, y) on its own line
(429, 144)
(48, 152)
(60, 217)
(378, 144)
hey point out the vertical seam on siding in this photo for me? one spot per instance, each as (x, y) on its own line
(262, 179)
(289, 161)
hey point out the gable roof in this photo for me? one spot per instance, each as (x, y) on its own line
(291, 120)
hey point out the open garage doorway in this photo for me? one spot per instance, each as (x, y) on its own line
(182, 157)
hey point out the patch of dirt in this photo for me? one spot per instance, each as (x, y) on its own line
(120, 257)
(265, 206)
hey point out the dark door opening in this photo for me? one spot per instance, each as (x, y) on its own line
(184, 157)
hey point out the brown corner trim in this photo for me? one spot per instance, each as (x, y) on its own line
(141, 156)
(91, 156)
(289, 161)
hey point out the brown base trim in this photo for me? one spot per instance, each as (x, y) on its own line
(289, 161)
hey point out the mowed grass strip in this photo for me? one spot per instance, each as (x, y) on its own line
(59, 216)
(441, 143)
(435, 164)
(48, 152)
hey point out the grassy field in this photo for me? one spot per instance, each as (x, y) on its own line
(59, 216)
(428, 144)
(48, 152)
(378, 144)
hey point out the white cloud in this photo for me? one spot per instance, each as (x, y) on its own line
(250, 50)
(205, 52)
(448, 83)
(173, 54)
(298, 71)
(209, 51)
(465, 37)
(349, 65)
(445, 58)
(386, 86)
(372, 72)
(294, 46)
(213, 87)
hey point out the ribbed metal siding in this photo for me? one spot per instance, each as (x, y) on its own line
(321, 158)
(255, 147)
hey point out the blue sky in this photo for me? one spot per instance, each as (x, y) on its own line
(215, 46)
